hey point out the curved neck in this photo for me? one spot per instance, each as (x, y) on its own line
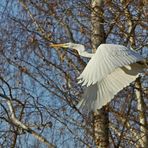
(86, 54)
(82, 52)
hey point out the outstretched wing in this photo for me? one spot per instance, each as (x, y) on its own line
(101, 93)
(107, 58)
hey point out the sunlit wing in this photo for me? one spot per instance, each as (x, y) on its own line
(101, 93)
(107, 58)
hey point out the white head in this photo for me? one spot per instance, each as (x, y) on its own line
(80, 48)
(72, 45)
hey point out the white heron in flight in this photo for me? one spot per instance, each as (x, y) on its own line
(109, 70)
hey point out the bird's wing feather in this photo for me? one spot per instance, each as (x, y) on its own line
(107, 58)
(100, 94)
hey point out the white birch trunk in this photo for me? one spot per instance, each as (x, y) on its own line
(100, 124)
(143, 136)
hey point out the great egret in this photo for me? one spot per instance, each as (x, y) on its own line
(109, 70)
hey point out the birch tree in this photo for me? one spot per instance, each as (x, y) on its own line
(101, 121)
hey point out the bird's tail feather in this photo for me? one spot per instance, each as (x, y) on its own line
(101, 93)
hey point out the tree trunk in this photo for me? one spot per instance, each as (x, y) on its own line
(143, 136)
(98, 34)
(100, 124)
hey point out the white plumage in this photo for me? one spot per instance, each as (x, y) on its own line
(107, 58)
(109, 70)
(102, 92)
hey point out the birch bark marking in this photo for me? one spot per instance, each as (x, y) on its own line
(100, 118)
(143, 136)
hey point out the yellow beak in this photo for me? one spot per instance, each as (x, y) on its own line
(58, 45)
